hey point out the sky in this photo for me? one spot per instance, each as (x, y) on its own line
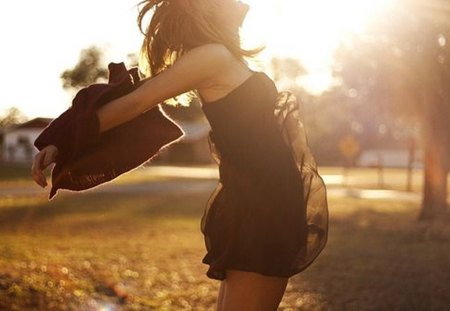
(40, 39)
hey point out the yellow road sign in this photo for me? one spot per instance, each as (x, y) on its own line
(349, 146)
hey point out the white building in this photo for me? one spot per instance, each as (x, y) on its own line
(17, 143)
(389, 158)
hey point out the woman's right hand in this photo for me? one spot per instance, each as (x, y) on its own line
(41, 161)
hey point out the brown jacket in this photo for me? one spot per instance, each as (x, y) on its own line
(87, 158)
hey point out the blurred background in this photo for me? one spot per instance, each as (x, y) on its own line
(373, 82)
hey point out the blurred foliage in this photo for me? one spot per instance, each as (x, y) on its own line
(401, 66)
(88, 70)
(192, 113)
(394, 93)
(12, 116)
(287, 67)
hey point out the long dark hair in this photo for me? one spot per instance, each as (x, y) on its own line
(177, 26)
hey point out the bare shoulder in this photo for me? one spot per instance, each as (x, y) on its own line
(198, 65)
(227, 72)
(209, 57)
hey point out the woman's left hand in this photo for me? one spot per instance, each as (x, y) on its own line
(40, 162)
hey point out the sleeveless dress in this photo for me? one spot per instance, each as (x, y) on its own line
(268, 213)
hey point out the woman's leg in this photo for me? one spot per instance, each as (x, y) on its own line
(221, 294)
(249, 291)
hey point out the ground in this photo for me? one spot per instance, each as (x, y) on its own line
(142, 250)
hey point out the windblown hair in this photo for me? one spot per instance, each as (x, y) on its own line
(178, 26)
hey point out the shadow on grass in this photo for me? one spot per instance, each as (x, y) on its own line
(378, 257)
(15, 172)
(90, 251)
(103, 209)
(378, 260)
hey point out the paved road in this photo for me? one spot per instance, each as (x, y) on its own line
(201, 180)
(208, 186)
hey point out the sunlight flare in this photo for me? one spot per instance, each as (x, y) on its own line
(309, 30)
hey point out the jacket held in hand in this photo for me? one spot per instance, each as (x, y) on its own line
(87, 158)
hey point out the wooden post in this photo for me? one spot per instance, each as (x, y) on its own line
(349, 148)
(411, 158)
(380, 166)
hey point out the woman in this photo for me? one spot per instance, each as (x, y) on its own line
(255, 221)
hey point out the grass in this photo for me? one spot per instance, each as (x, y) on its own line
(11, 173)
(93, 251)
(138, 252)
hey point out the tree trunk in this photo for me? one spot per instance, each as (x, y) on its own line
(434, 201)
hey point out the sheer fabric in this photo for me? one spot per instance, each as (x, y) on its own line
(282, 227)
(287, 113)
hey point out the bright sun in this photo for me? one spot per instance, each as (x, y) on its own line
(309, 30)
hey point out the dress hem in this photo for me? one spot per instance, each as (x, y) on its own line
(221, 275)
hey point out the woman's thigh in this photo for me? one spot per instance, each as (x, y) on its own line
(251, 291)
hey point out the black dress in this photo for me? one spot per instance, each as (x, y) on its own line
(256, 219)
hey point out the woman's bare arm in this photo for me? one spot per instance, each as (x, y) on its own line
(187, 73)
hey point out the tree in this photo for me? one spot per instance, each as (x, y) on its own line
(403, 66)
(12, 116)
(88, 70)
(288, 67)
(191, 113)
